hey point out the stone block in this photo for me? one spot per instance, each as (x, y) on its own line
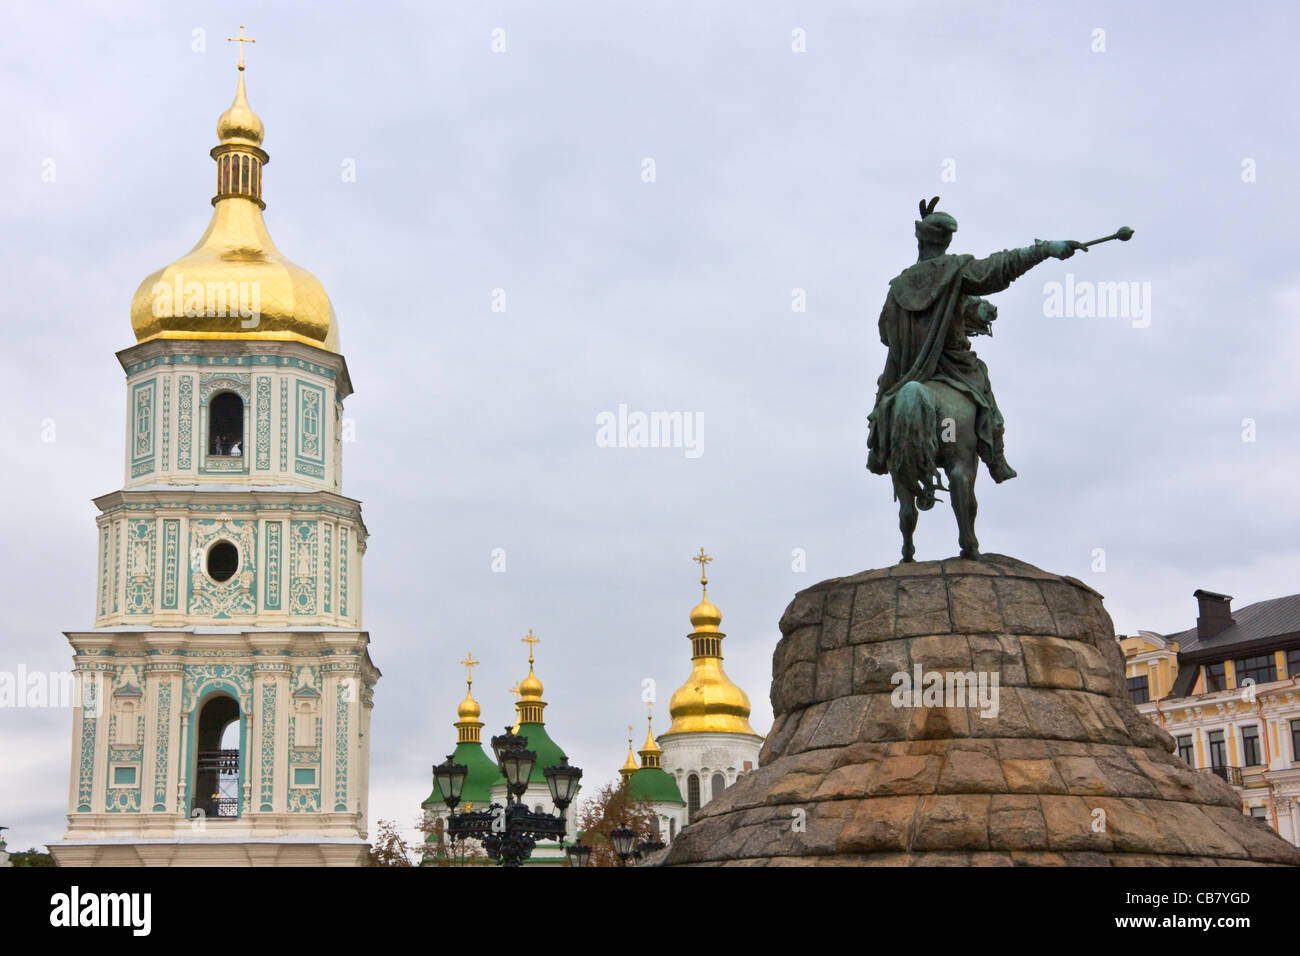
(872, 619)
(971, 771)
(944, 652)
(974, 605)
(1032, 776)
(834, 673)
(949, 822)
(1050, 662)
(897, 776)
(842, 723)
(1016, 822)
(799, 645)
(874, 666)
(879, 825)
(806, 608)
(1023, 610)
(922, 607)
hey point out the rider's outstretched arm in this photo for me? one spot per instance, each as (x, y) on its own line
(995, 273)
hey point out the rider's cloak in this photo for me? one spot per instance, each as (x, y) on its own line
(922, 324)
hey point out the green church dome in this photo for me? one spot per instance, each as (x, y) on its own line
(654, 785)
(547, 750)
(482, 777)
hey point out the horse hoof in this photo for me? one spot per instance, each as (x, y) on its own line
(970, 554)
(907, 560)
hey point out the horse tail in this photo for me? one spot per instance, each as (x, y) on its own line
(914, 442)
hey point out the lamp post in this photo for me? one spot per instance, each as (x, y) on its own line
(624, 839)
(578, 853)
(509, 833)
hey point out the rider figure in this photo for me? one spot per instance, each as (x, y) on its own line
(931, 308)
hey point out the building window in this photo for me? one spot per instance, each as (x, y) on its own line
(716, 786)
(124, 776)
(1261, 669)
(304, 776)
(223, 561)
(1215, 678)
(1250, 746)
(1259, 813)
(226, 425)
(1139, 691)
(692, 797)
(1218, 750)
(216, 759)
(1295, 740)
(1186, 750)
(1293, 662)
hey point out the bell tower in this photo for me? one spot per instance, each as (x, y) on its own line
(227, 685)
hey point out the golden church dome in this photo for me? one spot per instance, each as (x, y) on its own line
(530, 688)
(705, 617)
(235, 284)
(530, 705)
(469, 708)
(239, 124)
(708, 702)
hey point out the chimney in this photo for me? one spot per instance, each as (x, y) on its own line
(1214, 613)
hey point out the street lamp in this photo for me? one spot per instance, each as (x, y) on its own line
(624, 838)
(451, 780)
(509, 833)
(578, 854)
(563, 783)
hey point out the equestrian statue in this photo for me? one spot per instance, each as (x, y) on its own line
(934, 404)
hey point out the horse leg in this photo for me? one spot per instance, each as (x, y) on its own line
(906, 519)
(961, 485)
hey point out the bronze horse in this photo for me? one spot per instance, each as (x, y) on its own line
(933, 427)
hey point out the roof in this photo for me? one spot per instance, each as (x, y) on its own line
(483, 775)
(654, 785)
(548, 751)
(1256, 623)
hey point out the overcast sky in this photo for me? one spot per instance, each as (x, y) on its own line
(775, 170)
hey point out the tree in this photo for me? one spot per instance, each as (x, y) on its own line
(605, 810)
(439, 850)
(389, 849)
(32, 857)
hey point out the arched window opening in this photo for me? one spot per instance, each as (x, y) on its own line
(717, 785)
(692, 797)
(672, 829)
(226, 425)
(216, 773)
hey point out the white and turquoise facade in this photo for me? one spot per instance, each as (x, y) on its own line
(228, 685)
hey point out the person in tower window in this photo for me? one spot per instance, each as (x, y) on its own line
(218, 444)
(234, 449)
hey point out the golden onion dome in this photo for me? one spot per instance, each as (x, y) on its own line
(530, 688)
(705, 616)
(709, 702)
(239, 124)
(234, 283)
(469, 708)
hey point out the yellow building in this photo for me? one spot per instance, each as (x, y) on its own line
(1226, 690)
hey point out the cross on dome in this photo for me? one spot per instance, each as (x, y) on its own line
(241, 40)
